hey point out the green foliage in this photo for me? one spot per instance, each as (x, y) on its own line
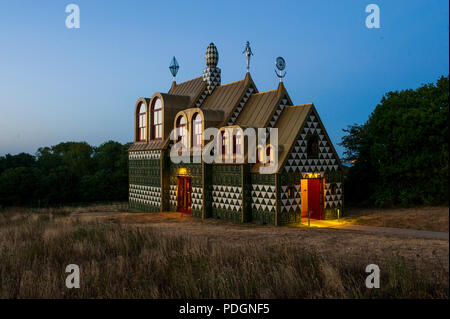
(14, 161)
(65, 173)
(400, 155)
(18, 185)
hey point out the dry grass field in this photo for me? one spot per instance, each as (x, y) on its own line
(422, 218)
(169, 255)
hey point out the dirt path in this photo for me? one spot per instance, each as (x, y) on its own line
(434, 218)
(397, 231)
(377, 229)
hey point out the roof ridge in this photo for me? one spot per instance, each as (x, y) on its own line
(198, 77)
(234, 82)
(268, 91)
(304, 104)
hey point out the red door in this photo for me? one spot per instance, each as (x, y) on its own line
(315, 198)
(184, 195)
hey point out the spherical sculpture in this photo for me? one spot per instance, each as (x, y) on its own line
(212, 55)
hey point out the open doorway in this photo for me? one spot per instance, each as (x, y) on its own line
(312, 198)
(184, 195)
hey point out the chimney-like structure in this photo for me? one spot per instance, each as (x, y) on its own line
(211, 74)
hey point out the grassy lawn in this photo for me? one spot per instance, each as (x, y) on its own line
(423, 218)
(168, 255)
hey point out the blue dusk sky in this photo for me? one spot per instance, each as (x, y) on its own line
(59, 84)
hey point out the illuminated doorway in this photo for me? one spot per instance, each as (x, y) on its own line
(184, 195)
(312, 198)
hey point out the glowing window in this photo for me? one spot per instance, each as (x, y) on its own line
(197, 130)
(224, 137)
(181, 131)
(270, 154)
(260, 156)
(237, 142)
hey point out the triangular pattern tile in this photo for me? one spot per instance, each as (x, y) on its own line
(298, 161)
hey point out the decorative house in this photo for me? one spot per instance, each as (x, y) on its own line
(306, 177)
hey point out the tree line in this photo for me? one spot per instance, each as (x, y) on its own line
(70, 172)
(400, 155)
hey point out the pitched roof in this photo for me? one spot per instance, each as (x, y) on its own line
(225, 97)
(263, 108)
(148, 146)
(192, 88)
(289, 124)
(257, 111)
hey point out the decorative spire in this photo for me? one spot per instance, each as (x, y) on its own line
(212, 56)
(281, 65)
(173, 67)
(248, 53)
(211, 74)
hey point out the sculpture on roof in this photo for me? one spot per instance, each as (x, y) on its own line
(173, 67)
(211, 74)
(248, 53)
(281, 65)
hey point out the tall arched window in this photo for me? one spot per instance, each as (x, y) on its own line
(224, 137)
(237, 142)
(197, 130)
(270, 154)
(181, 130)
(157, 120)
(142, 122)
(260, 156)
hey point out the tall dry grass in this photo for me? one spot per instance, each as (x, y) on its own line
(120, 261)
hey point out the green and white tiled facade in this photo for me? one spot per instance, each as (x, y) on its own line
(144, 181)
(298, 160)
(232, 192)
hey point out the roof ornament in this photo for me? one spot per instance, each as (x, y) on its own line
(248, 53)
(173, 67)
(281, 65)
(211, 74)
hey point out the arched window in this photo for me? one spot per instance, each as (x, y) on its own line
(270, 154)
(224, 137)
(157, 120)
(142, 122)
(197, 130)
(237, 142)
(260, 156)
(181, 130)
(312, 148)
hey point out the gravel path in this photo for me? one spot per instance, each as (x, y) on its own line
(395, 231)
(376, 229)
